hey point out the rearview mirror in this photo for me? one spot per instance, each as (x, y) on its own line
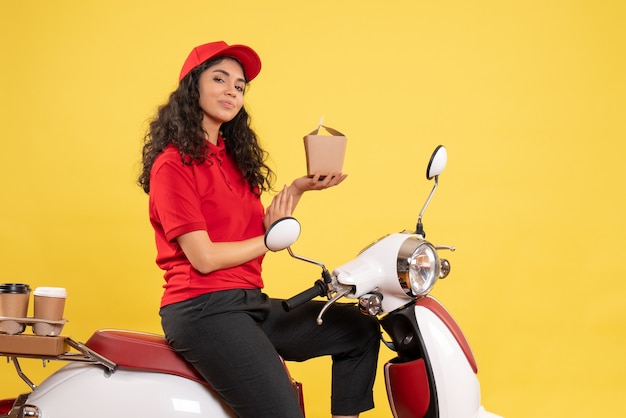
(437, 163)
(282, 233)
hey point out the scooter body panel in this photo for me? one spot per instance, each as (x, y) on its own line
(79, 390)
(458, 389)
(434, 375)
(375, 268)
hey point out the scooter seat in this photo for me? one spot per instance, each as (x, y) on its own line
(141, 351)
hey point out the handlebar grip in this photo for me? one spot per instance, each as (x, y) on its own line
(318, 289)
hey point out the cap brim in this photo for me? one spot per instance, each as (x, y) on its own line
(248, 58)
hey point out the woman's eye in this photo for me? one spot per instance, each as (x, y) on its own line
(240, 88)
(218, 79)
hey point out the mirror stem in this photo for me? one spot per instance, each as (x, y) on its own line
(420, 228)
(325, 273)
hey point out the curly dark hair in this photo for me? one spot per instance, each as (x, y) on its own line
(179, 122)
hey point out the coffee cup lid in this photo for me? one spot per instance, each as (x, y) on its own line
(14, 288)
(51, 292)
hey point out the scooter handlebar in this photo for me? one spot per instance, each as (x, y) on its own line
(318, 289)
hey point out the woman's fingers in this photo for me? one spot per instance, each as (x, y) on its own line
(330, 180)
(281, 206)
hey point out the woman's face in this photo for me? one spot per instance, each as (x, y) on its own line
(221, 89)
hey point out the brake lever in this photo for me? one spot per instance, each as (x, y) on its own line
(343, 291)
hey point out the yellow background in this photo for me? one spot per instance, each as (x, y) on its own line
(528, 97)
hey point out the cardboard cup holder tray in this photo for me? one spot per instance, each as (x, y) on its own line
(41, 327)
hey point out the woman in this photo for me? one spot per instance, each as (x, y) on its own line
(204, 171)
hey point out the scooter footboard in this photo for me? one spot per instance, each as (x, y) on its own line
(407, 388)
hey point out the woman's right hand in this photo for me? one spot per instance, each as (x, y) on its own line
(281, 206)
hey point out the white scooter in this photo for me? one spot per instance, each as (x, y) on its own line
(125, 373)
(434, 373)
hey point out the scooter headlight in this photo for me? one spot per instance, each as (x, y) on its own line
(418, 266)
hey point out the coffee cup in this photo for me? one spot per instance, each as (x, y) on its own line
(13, 304)
(14, 300)
(49, 303)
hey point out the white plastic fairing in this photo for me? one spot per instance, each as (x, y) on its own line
(80, 390)
(375, 269)
(458, 389)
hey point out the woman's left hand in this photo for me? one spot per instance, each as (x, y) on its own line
(305, 184)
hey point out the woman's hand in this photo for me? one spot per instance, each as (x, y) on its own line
(281, 206)
(305, 184)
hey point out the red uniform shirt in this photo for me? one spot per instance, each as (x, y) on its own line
(214, 197)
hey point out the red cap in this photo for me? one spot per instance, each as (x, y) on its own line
(249, 59)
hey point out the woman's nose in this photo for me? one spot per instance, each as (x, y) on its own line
(231, 91)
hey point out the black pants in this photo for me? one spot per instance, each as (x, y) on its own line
(234, 337)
